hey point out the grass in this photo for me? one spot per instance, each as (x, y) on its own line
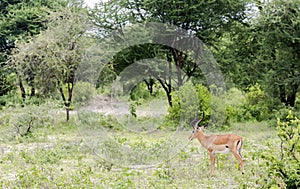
(61, 157)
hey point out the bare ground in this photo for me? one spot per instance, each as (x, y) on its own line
(108, 105)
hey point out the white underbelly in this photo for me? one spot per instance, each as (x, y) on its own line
(225, 151)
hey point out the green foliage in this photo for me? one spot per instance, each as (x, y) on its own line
(186, 14)
(283, 168)
(19, 21)
(251, 105)
(125, 151)
(140, 91)
(279, 25)
(14, 100)
(83, 92)
(87, 119)
(215, 18)
(240, 106)
(31, 117)
(265, 51)
(10, 100)
(256, 104)
(22, 19)
(132, 108)
(189, 100)
(235, 99)
(49, 60)
(47, 68)
(7, 80)
(165, 172)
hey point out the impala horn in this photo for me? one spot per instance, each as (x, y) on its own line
(194, 120)
(194, 125)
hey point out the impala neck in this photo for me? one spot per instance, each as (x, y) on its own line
(200, 137)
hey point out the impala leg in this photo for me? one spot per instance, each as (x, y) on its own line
(239, 158)
(212, 157)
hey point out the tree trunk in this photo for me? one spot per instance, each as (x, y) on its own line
(32, 91)
(168, 90)
(178, 59)
(282, 94)
(23, 92)
(179, 76)
(67, 105)
(170, 99)
(31, 84)
(150, 84)
(166, 81)
(67, 111)
(67, 102)
(291, 98)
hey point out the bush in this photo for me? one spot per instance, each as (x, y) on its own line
(31, 117)
(251, 105)
(235, 99)
(140, 91)
(187, 101)
(87, 120)
(83, 92)
(7, 81)
(11, 99)
(256, 104)
(283, 168)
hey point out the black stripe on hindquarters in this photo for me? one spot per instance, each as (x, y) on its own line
(239, 149)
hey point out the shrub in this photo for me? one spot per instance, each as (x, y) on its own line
(188, 100)
(7, 80)
(140, 91)
(256, 104)
(10, 100)
(283, 168)
(28, 118)
(235, 99)
(91, 120)
(83, 92)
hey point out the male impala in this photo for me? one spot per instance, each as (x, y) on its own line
(222, 143)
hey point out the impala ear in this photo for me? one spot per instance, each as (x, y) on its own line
(206, 125)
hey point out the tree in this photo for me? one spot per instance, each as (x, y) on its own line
(280, 28)
(52, 57)
(153, 70)
(206, 20)
(20, 20)
(265, 51)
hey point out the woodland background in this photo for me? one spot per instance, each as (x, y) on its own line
(256, 45)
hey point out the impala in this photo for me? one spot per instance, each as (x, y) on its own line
(217, 143)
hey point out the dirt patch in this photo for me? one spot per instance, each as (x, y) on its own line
(108, 105)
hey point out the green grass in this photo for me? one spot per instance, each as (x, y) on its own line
(59, 157)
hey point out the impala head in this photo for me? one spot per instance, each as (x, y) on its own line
(196, 127)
